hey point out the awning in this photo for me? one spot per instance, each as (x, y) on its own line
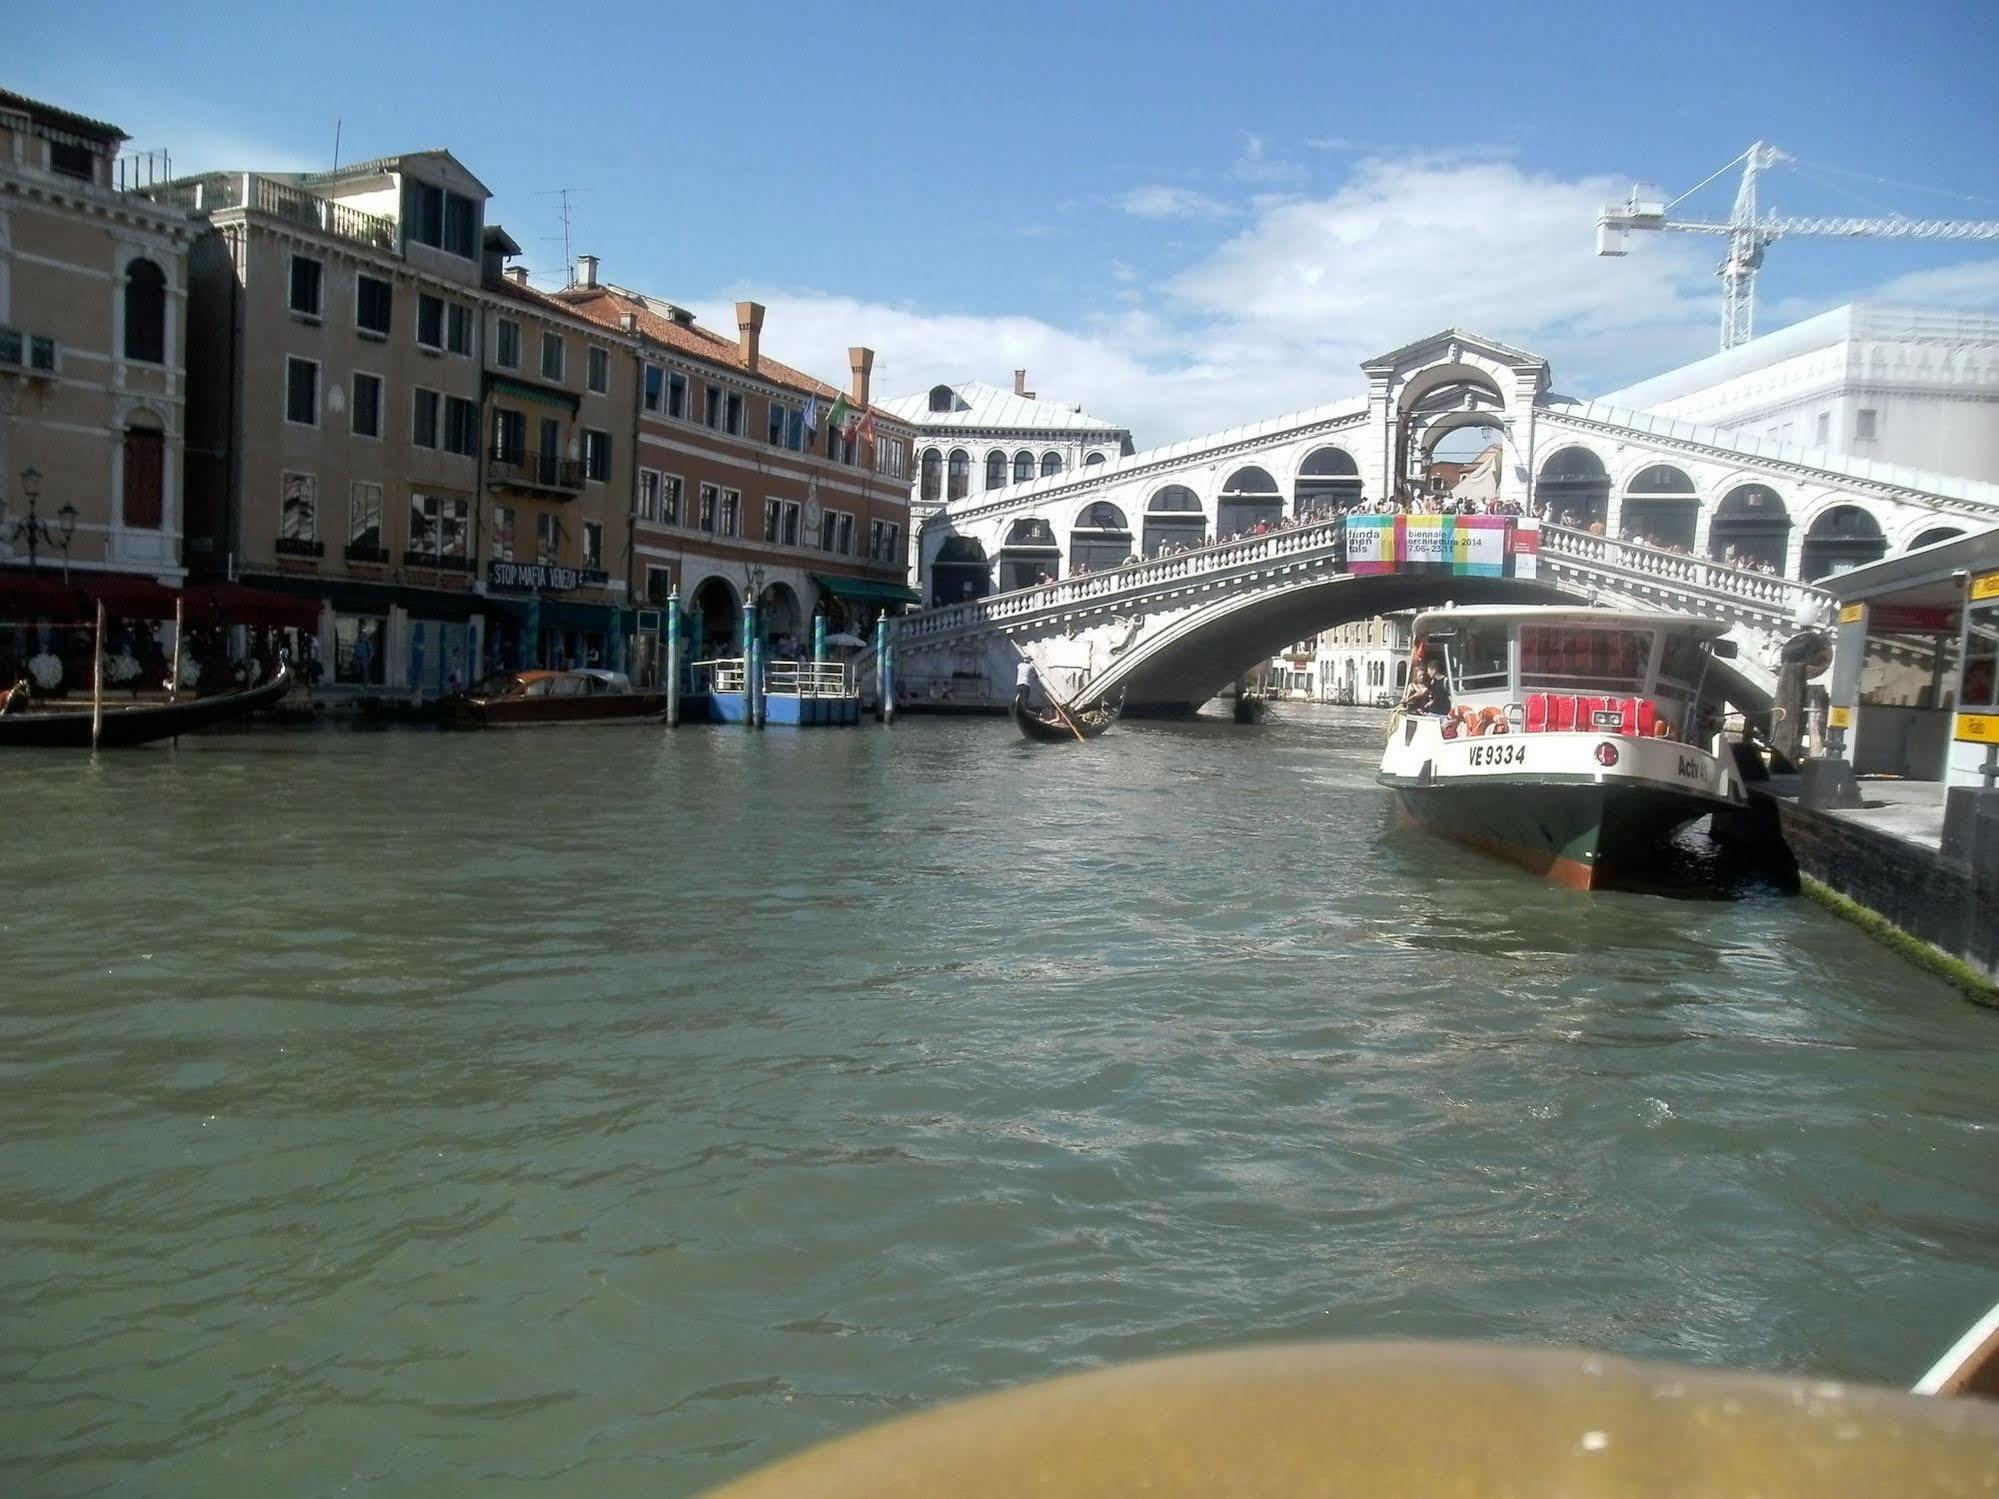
(31, 597)
(234, 604)
(867, 590)
(377, 598)
(126, 594)
(524, 390)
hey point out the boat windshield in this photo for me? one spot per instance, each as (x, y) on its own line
(1578, 658)
(1477, 658)
(497, 684)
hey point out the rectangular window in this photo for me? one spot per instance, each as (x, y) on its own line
(439, 526)
(374, 299)
(771, 522)
(892, 459)
(458, 328)
(593, 544)
(364, 517)
(789, 535)
(503, 533)
(655, 387)
(298, 514)
(547, 538)
(423, 418)
(1825, 427)
(442, 220)
(710, 498)
(367, 405)
(676, 395)
(794, 432)
(884, 539)
(73, 160)
(600, 370)
(507, 341)
(10, 345)
(711, 410)
(732, 513)
(669, 500)
(1865, 424)
(308, 285)
(596, 455)
(461, 225)
(510, 435)
(837, 533)
(429, 321)
(302, 391)
(776, 425)
(548, 456)
(735, 419)
(461, 426)
(551, 356)
(145, 477)
(659, 584)
(648, 495)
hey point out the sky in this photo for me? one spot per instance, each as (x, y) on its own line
(1179, 217)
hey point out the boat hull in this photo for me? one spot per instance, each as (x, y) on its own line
(124, 727)
(1087, 723)
(515, 713)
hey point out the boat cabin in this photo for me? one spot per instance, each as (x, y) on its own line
(1605, 671)
(589, 682)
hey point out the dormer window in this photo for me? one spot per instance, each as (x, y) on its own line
(942, 398)
(442, 220)
(71, 159)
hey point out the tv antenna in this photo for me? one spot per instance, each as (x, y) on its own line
(568, 258)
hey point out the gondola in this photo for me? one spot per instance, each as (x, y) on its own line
(1053, 727)
(69, 728)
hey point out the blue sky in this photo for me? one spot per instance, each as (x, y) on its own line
(1182, 217)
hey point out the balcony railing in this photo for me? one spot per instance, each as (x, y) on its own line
(219, 190)
(361, 551)
(437, 561)
(534, 471)
(295, 546)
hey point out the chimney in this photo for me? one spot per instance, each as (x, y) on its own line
(586, 271)
(1020, 384)
(629, 321)
(862, 362)
(749, 332)
(518, 274)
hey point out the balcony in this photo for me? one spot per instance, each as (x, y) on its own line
(216, 191)
(542, 471)
(362, 552)
(293, 546)
(437, 562)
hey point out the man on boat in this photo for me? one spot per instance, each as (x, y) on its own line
(1428, 692)
(1024, 678)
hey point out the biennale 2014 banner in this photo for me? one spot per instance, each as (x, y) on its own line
(1475, 546)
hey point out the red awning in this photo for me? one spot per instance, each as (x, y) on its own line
(238, 604)
(125, 595)
(28, 597)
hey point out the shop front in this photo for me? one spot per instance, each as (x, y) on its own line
(541, 623)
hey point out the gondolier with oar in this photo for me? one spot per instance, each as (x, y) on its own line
(1024, 679)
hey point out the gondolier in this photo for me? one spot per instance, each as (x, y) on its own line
(1024, 678)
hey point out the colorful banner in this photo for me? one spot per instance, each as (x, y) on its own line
(1371, 543)
(1523, 548)
(1478, 546)
(1475, 546)
(1423, 542)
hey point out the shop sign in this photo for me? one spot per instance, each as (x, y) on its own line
(540, 577)
(1985, 586)
(1978, 728)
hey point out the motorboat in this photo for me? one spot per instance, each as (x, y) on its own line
(25, 724)
(516, 699)
(1572, 741)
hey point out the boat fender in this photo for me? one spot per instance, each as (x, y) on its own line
(1491, 721)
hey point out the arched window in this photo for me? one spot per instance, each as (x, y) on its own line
(1030, 554)
(1750, 525)
(960, 572)
(1100, 537)
(145, 312)
(1843, 538)
(933, 475)
(961, 474)
(942, 398)
(1093, 460)
(1574, 488)
(1934, 535)
(1173, 518)
(1023, 466)
(1327, 479)
(1660, 506)
(996, 469)
(145, 477)
(1051, 463)
(1250, 498)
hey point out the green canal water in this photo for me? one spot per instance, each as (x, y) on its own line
(609, 1111)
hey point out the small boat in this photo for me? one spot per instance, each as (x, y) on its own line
(512, 699)
(1065, 726)
(1971, 1367)
(1575, 741)
(68, 727)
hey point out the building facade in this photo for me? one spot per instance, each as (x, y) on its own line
(93, 357)
(1363, 662)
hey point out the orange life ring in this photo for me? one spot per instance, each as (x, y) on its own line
(1491, 721)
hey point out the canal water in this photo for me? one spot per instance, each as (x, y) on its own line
(609, 1111)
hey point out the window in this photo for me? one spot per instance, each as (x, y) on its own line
(892, 458)
(676, 395)
(429, 321)
(442, 220)
(596, 455)
(510, 435)
(837, 533)
(940, 398)
(593, 544)
(298, 507)
(659, 584)
(776, 426)
(548, 456)
(503, 533)
(732, 513)
(302, 391)
(648, 495)
(794, 430)
(600, 370)
(1093, 460)
(364, 517)
(711, 408)
(885, 542)
(307, 285)
(458, 328)
(1051, 463)
(145, 477)
(10, 345)
(781, 522)
(547, 538)
(933, 475)
(669, 500)
(1825, 427)
(710, 497)
(655, 387)
(961, 474)
(423, 418)
(367, 405)
(507, 339)
(72, 160)
(439, 526)
(1865, 425)
(461, 426)
(373, 301)
(145, 312)
(1023, 467)
(551, 356)
(996, 470)
(735, 424)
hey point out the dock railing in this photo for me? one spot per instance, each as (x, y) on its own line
(809, 679)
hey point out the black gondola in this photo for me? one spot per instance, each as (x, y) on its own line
(1056, 726)
(139, 724)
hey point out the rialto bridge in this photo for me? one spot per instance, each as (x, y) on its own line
(1171, 630)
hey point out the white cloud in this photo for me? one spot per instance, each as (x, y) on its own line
(1970, 286)
(1256, 164)
(1173, 203)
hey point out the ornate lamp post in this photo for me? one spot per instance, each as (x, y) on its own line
(37, 531)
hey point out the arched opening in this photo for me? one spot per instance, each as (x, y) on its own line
(1934, 535)
(1030, 554)
(996, 469)
(933, 475)
(1023, 466)
(781, 619)
(1173, 521)
(1328, 479)
(145, 477)
(145, 312)
(1843, 538)
(716, 611)
(960, 475)
(1051, 464)
(1660, 506)
(1093, 460)
(960, 572)
(1574, 490)
(1750, 525)
(1099, 539)
(1250, 498)
(941, 398)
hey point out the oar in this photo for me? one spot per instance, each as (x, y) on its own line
(1061, 711)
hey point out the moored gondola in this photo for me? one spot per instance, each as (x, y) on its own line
(1055, 725)
(141, 723)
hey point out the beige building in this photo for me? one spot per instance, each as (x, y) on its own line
(93, 369)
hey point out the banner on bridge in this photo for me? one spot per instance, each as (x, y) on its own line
(1474, 546)
(1371, 543)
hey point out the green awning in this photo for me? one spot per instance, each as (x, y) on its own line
(527, 391)
(867, 590)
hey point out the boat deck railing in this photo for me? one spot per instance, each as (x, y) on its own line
(803, 679)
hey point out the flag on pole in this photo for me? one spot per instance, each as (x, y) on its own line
(812, 415)
(866, 431)
(836, 419)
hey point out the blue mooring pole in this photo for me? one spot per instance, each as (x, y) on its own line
(818, 639)
(884, 669)
(749, 645)
(673, 659)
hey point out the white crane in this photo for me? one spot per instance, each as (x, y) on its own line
(1748, 235)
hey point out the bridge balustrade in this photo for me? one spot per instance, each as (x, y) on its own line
(1775, 593)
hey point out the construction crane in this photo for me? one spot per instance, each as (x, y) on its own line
(1748, 236)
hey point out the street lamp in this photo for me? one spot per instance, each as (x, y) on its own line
(36, 530)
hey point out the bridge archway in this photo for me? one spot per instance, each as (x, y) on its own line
(779, 613)
(960, 572)
(717, 611)
(1661, 505)
(1838, 540)
(1029, 554)
(1574, 488)
(1173, 517)
(1100, 538)
(1249, 496)
(1750, 524)
(1327, 479)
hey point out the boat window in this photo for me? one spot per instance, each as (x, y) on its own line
(1478, 659)
(566, 686)
(497, 684)
(539, 687)
(1576, 658)
(1981, 664)
(1683, 661)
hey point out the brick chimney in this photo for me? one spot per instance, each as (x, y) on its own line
(586, 271)
(1020, 384)
(749, 332)
(862, 362)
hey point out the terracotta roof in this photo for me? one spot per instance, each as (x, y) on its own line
(606, 306)
(61, 119)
